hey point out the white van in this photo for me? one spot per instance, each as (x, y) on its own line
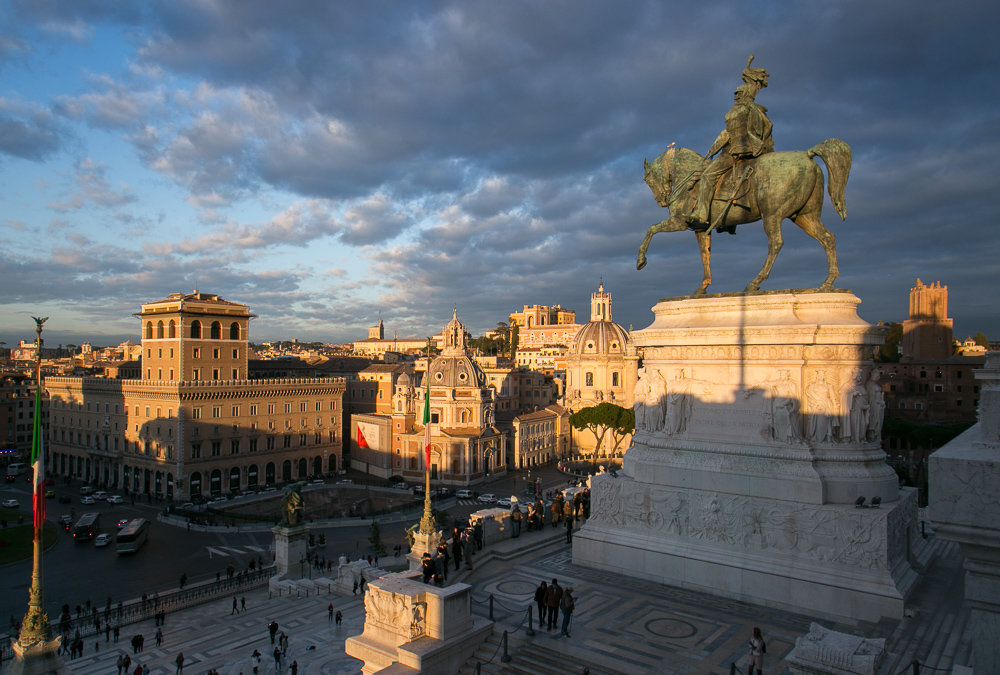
(15, 469)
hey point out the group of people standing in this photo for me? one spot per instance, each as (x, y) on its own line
(551, 600)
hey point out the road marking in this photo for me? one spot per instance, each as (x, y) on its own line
(258, 549)
(214, 551)
(233, 550)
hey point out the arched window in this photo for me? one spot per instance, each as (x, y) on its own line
(234, 331)
(215, 483)
(171, 329)
(269, 474)
(318, 466)
(589, 380)
(614, 379)
(196, 484)
(303, 468)
(286, 470)
(331, 464)
(149, 330)
(159, 330)
(234, 479)
(196, 329)
(216, 333)
(252, 476)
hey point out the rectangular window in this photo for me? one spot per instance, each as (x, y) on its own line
(215, 374)
(288, 407)
(157, 412)
(270, 443)
(196, 413)
(234, 447)
(216, 448)
(196, 374)
(253, 410)
(196, 451)
(196, 353)
(159, 353)
(286, 441)
(318, 437)
(302, 406)
(236, 374)
(236, 353)
(171, 374)
(434, 418)
(147, 411)
(215, 353)
(171, 352)
(236, 411)
(302, 440)
(217, 412)
(319, 406)
(252, 445)
(333, 405)
(270, 408)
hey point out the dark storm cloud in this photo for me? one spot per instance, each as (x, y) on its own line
(489, 154)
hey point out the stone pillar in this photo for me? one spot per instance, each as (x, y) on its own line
(965, 507)
(423, 542)
(290, 551)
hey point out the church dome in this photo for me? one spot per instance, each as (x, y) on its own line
(601, 336)
(453, 367)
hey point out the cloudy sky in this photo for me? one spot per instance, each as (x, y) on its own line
(325, 162)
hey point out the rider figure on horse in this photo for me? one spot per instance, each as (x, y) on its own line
(747, 135)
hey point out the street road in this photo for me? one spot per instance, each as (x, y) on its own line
(75, 572)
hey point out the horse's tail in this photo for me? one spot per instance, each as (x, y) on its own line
(836, 154)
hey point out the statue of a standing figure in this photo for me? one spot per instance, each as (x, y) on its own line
(291, 505)
(747, 135)
(876, 406)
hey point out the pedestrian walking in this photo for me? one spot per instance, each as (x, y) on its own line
(159, 637)
(117, 632)
(127, 663)
(236, 606)
(757, 650)
(294, 667)
(180, 662)
(567, 604)
(329, 612)
(120, 662)
(243, 603)
(339, 617)
(272, 629)
(277, 660)
(255, 661)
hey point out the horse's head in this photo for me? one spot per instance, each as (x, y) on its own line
(657, 175)
(671, 166)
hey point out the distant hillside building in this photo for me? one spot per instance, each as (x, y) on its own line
(194, 424)
(377, 345)
(543, 326)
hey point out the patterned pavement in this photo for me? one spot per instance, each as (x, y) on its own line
(621, 625)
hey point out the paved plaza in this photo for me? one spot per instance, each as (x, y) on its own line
(621, 625)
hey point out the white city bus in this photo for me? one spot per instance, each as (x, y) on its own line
(131, 537)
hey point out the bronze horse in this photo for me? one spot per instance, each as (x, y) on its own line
(772, 187)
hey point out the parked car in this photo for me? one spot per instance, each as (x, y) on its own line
(66, 522)
(86, 490)
(488, 498)
(345, 481)
(463, 494)
(504, 502)
(101, 495)
(401, 486)
(122, 523)
(102, 539)
(87, 500)
(10, 504)
(115, 499)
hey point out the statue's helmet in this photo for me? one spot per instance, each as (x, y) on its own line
(757, 75)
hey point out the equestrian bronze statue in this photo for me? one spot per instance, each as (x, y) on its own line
(748, 182)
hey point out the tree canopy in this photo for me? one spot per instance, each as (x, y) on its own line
(603, 419)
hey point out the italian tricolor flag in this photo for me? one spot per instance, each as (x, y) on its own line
(37, 463)
(427, 425)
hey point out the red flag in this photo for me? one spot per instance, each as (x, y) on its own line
(38, 464)
(362, 443)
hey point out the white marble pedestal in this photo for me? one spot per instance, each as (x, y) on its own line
(290, 551)
(757, 429)
(423, 542)
(41, 658)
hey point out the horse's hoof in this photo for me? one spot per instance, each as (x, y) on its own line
(639, 264)
(751, 287)
(698, 293)
(825, 288)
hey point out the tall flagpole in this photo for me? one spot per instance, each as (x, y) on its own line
(35, 628)
(427, 521)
